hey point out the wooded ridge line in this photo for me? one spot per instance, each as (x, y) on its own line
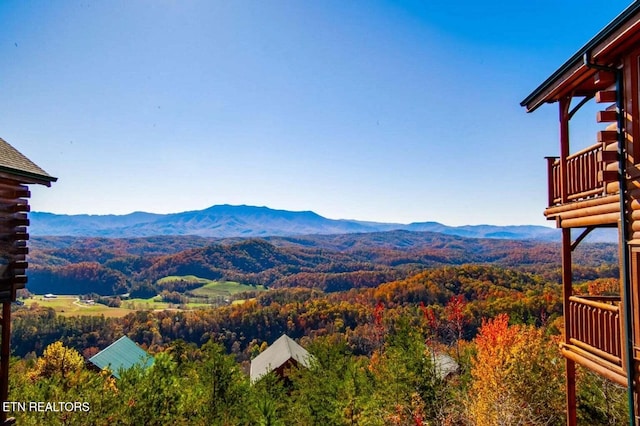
(223, 221)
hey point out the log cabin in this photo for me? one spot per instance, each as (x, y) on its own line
(599, 186)
(16, 173)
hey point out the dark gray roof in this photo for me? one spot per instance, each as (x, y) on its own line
(281, 351)
(13, 162)
(121, 355)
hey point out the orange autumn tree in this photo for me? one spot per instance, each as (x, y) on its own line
(517, 376)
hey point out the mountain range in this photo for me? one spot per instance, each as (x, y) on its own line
(224, 221)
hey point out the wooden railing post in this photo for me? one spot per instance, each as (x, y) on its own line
(551, 180)
(564, 147)
(596, 326)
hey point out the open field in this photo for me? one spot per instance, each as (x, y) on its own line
(224, 288)
(69, 305)
(211, 293)
(211, 288)
(150, 304)
(187, 278)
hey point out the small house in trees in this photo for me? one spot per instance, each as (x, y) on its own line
(282, 355)
(444, 365)
(16, 172)
(121, 355)
(597, 185)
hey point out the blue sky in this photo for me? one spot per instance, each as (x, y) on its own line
(391, 111)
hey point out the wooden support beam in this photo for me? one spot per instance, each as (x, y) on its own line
(14, 205)
(14, 193)
(607, 156)
(13, 186)
(591, 211)
(607, 116)
(604, 78)
(20, 250)
(582, 222)
(567, 290)
(607, 176)
(606, 96)
(582, 237)
(608, 136)
(9, 222)
(19, 265)
(615, 198)
(7, 236)
(571, 400)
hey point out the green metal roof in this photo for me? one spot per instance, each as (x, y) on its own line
(121, 355)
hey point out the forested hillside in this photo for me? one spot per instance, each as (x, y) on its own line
(374, 309)
(369, 347)
(331, 263)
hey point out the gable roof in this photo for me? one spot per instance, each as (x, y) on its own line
(13, 162)
(281, 351)
(443, 365)
(121, 355)
(573, 75)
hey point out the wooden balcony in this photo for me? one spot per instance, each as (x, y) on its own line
(592, 196)
(594, 337)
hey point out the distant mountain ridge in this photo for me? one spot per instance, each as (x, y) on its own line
(224, 221)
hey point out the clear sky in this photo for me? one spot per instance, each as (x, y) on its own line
(396, 111)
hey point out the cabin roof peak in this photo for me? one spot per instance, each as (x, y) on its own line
(280, 351)
(14, 163)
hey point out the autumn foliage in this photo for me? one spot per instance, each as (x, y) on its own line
(517, 376)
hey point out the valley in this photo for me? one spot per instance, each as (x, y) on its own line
(362, 303)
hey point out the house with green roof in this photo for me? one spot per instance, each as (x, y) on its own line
(121, 355)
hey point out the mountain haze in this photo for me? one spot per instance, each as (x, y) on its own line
(224, 221)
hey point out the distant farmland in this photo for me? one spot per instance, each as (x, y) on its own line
(211, 293)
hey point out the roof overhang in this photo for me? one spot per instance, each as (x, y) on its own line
(16, 167)
(26, 177)
(574, 77)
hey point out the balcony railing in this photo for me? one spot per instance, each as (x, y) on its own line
(595, 326)
(584, 175)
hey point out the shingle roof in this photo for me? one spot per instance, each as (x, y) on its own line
(14, 162)
(276, 355)
(121, 355)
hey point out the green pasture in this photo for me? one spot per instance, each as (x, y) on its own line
(211, 288)
(150, 304)
(224, 288)
(68, 305)
(186, 278)
(208, 294)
